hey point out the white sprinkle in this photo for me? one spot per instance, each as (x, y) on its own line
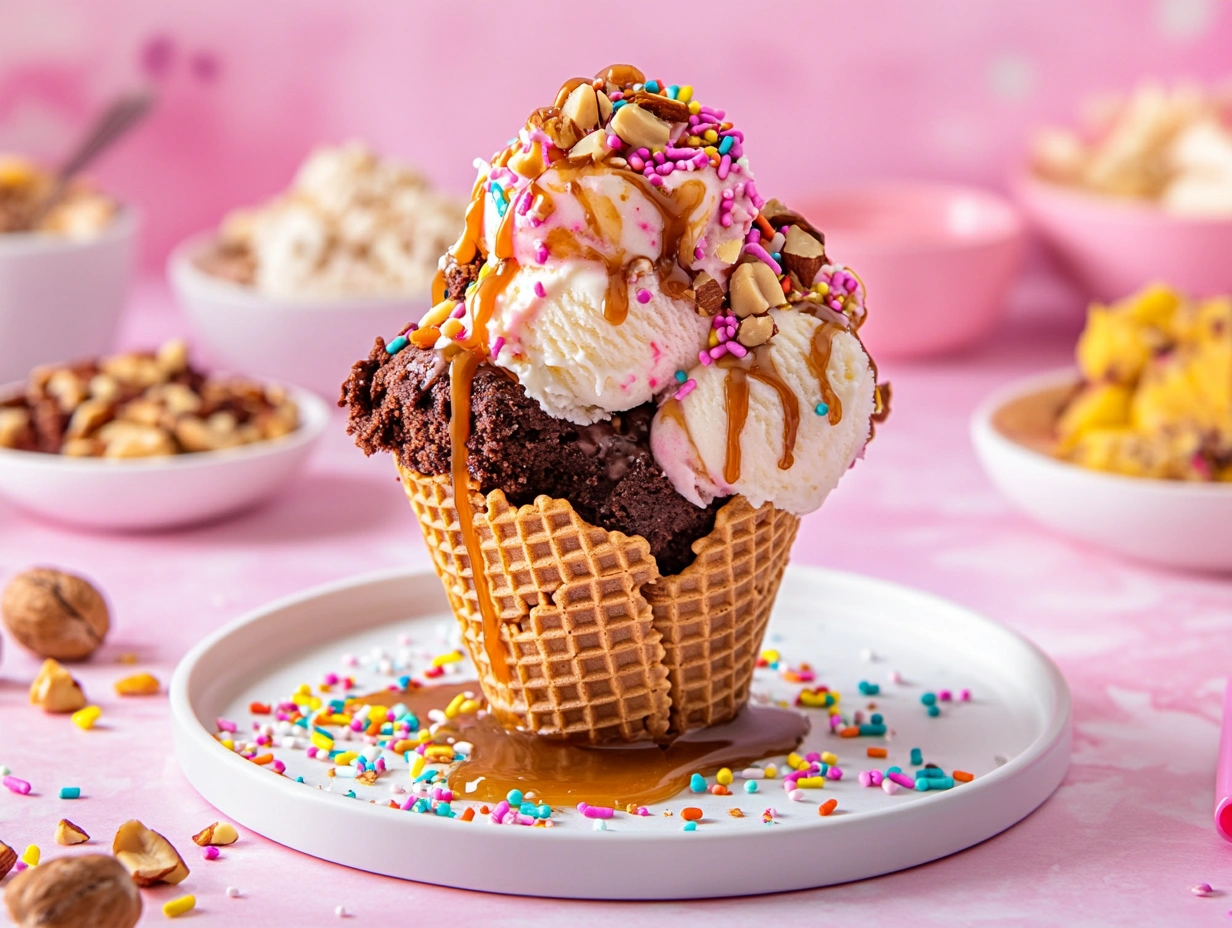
(752, 773)
(797, 795)
(867, 655)
(889, 786)
(599, 825)
(397, 789)
(350, 660)
(232, 892)
(895, 676)
(4, 771)
(404, 638)
(341, 912)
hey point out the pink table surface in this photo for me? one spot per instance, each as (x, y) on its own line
(1145, 654)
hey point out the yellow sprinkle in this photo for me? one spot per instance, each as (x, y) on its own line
(710, 136)
(834, 710)
(714, 338)
(303, 690)
(694, 107)
(322, 742)
(451, 658)
(451, 327)
(128, 657)
(439, 754)
(455, 704)
(811, 783)
(31, 857)
(179, 906)
(141, 684)
(771, 771)
(469, 707)
(228, 744)
(828, 757)
(438, 313)
(770, 656)
(401, 747)
(695, 140)
(346, 758)
(795, 761)
(685, 94)
(417, 765)
(710, 150)
(377, 712)
(724, 777)
(424, 736)
(821, 287)
(85, 718)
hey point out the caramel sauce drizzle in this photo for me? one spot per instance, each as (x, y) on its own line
(819, 363)
(736, 402)
(461, 373)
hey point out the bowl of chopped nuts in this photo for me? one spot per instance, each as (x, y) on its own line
(144, 441)
(64, 271)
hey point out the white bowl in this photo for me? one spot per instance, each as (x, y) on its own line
(61, 298)
(143, 494)
(1167, 522)
(310, 342)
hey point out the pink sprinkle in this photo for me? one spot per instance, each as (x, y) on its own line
(643, 296)
(278, 766)
(227, 725)
(902, 780)
(210, 853)
(540, 290)
(311, 752)
(656, 181)
(866, 778)
(459, 311)
(835, 722)
(497, 345)
(686, 388)
(614, 143)
(1202, 889)
(643, 811)
(944, 695)
(756, 250)
(16, 785)
(964, 696)
(835, 773)
(409, 804)
(19, 866)
(735, 348)
(703, 357)
(501, 810)
(895, 677)
(595, 811)
(718, 351)
(541, 252)
(724, 167)
(332, 678)
(380, 765)
(357, 725)
(637, 163)
(666, 169)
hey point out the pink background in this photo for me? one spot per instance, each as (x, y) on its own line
(826, 90)
(947, 88)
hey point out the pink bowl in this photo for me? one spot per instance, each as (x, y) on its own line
(936, 259)
(1114, 247)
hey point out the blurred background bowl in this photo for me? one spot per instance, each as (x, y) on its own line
(62, 298)
(1172, 523)
(937, 260)
(151, 494)
(310, 342)
(1113, 247)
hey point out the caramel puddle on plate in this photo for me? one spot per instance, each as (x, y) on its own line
(1031, 420)
(563, 774)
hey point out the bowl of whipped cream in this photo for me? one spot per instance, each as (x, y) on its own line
(65, 267)
(292, 290)
(1140, 192)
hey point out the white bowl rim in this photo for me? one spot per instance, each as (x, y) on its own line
(1013, 232)
(1026, 184)
(982, 429)
(314, 419)
(122, 225)
(185, 275)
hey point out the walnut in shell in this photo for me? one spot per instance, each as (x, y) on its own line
(55, 614)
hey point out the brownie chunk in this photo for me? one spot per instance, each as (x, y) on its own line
(606, 471)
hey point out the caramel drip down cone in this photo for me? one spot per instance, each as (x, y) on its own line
(598, 645)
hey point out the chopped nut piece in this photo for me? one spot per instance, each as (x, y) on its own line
(605, 107)
(803, 255)
(640, 128)
(141, 684)
(105, 388)
(172, 357)
(68, 892)
(756, 330)
(708, 294)
(89, 416)
(729, 251)
(55, 614)
(592, 148)
(55, 690)
(582, 106)
(147, 856)
(133, 370)
(664, 107)
(754, 289)
(68, 834)
(15, 428)
(67, 388)
(220, 834)
(131, 440)
(8, 859)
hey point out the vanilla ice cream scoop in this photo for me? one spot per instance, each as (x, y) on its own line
(617, 253)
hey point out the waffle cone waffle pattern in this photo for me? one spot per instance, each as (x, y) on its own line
(599, 646)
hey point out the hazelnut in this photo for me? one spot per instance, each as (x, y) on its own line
(147, 855)
(89, 416)
(605, 107)
(640, 128)
(219, 834)
(664, 107)
(55, 614)
(592, 148)
(8, 859)
(55, 690)
(754, 289)
(803, 255)
(708, 294)
(67, 833)
(89, 889)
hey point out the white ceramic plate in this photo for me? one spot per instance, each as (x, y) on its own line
(143, 494)
(1167, 522)
(311, 342)
(1014, 736)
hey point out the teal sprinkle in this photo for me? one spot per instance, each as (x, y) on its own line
(777, 256)
(528, 808)
(866, 688)
(726, 144)
(750, 786)
(673, 91)
(690, 826)
(421, 805)
(681, 376)
(929, 699)
(822, 769)
(70, 792)
(821, 409)
(442, 808)
(697, 783)
(350, 794)
(545, 811)
(500, 198)
(895, 769)
(427, 776)
(335, 752)
(922, 785)
(934, 711)
(877, 718)
(618, 104)
(917, 757)
(403, 683)
(514, 797)
(336, 705)
(322, 731)
(397, 344)
(872, 729)
(299, 779)
(931, 773)
(652, 86)
(302, 722)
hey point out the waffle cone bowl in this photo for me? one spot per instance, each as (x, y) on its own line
(597, 646)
